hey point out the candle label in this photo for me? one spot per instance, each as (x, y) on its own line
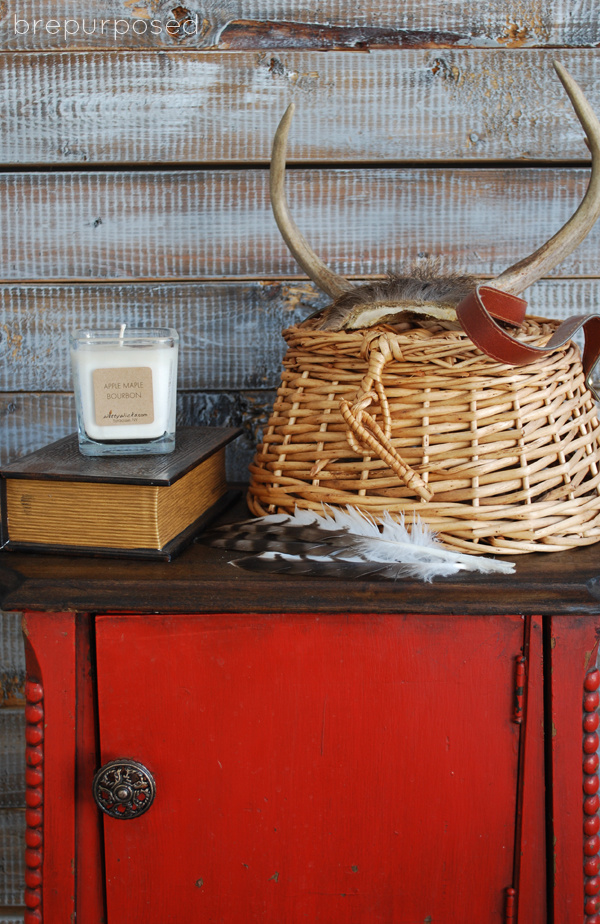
(123, 396)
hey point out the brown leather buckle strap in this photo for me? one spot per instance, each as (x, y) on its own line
(478, 312)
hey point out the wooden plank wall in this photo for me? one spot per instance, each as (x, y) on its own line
(134, 186)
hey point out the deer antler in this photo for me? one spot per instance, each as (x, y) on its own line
(527, 271)
(330, 282)
(517, 277)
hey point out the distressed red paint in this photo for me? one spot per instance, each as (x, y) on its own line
(296, 753)
(309, 744)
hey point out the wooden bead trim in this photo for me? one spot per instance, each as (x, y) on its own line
(591, 800)
(34, 800)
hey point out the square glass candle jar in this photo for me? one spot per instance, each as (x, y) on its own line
(125, 383)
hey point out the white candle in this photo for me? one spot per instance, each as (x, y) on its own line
(125, 388)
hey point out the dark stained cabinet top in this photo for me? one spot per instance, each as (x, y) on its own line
(202, 579)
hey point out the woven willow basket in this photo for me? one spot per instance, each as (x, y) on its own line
(417, 419)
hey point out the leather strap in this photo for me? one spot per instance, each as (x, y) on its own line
(478, 312)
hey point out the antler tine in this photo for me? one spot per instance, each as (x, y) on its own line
(321, 275)
(527, 271)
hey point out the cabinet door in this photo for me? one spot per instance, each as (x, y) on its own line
(344, 770)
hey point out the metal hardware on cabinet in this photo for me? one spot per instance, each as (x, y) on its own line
(519, 702)
(124, 788)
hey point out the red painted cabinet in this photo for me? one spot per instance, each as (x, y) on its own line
(366, 754)
(322, 768)
(319, 769)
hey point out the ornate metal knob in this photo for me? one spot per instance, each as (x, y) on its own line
(124, 788)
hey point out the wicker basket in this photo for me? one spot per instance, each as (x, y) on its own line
(417, 419)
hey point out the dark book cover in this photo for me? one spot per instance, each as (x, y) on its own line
(62, 461)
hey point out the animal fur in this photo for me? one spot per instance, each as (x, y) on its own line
(422, 291)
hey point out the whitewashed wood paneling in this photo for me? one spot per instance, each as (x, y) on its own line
(230, 333)
(218, 224)
(12, 838)
(330, 23)
(214, 108)
(12, 666)
(12, 758)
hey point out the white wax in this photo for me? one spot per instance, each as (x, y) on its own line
(161, 359)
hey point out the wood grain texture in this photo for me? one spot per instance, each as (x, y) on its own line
(12, 758)
(271, 23)
(182, 225)
(230, 333)
(203, 580)
(12, 663)
(215, 108)
(12, 835)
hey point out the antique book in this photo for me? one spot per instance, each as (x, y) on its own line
(148, 506)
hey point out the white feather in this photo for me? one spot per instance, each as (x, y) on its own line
(312, 542)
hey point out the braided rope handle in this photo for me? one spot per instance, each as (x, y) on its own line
(364, 435)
